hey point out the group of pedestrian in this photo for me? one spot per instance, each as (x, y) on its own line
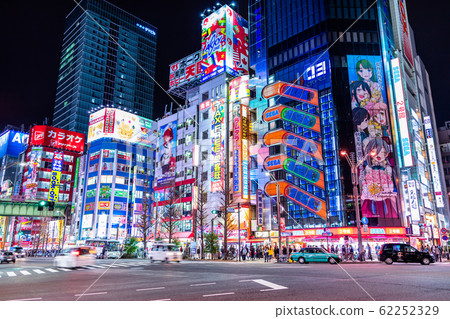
(42, 252)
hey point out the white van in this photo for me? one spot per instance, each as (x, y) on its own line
(165, 253)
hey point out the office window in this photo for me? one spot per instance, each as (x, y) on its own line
(205, 115)
(205, 135)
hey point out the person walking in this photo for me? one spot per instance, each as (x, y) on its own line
(266, 254)
(270, 253)
(369, 252)
(244, 253)
(252, 252)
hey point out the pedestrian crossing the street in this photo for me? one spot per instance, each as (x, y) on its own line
(43, 271)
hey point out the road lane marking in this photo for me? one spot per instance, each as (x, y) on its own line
(38, 271)
(219, 294)
(92, 293)
(28, 299)
(26, 273)
(269, 284)
(51, 270)
(160, 300)
(155, 288)
(205, 284)
(11, 274)
(64, 269)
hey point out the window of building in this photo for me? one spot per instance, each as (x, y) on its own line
(205, 96)
(204, 155)
(205, 135)
(107, 179)
(204, 176)
(92, 180)
(205, 115)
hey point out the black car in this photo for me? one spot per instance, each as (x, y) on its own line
(404, 253)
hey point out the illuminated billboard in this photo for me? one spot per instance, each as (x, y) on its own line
(407, 47)
(433, 162)
(43, 135)
(121, 125)
(224, 44)
(185, 70)
(217, 140)
(31, 173)
(401, 113)
(13, 143)
(372, 133)
(167, 147)
(239, 95)
(55, 176)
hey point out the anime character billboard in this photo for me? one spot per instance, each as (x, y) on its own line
(167, 154)
(31, 173)
(372, 137)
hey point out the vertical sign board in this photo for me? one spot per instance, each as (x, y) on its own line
(238, 96)
(413, 200)
(55, 176)
(217, 134)
(401, 113)
(433, 162)
(407, 48)
(259, 207)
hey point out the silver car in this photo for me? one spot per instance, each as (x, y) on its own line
(7, 256)
(18, 251)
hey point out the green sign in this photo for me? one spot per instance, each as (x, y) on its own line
(90, 193)
(76, 174)
(120, 193)
(105, 192)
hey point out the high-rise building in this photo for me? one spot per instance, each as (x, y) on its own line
(364, 100)
(107, 57)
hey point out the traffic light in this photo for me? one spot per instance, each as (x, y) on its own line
(41, 205)
(51, 206)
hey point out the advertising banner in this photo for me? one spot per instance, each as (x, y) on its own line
(413, 201)
(13, 143)
(237, 141)
(55, 137)
(185, 70)
(217, 128)
(237, 43)
(373, 138)
(167, 148)
(401, 113)
(433, 163)
(213, 44)
(407, 47)
(224, 44)
(87, 221)
(259, 207)
(31, 172)
(121, 125)
(55, 176)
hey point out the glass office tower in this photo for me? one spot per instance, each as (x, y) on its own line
(107, 57)
(333, 47)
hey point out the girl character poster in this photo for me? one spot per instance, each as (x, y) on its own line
(372, 135)
(166, 154)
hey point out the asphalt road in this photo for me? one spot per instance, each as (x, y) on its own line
(38, 279)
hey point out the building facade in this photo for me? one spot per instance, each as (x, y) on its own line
(360, 96)
(115, 177)
(108, 58)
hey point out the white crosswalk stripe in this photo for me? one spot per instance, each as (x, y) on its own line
(11, 274)
(51, 270)
(64, 269)
(25, 273)
(38, 271)
(98, 266)
(87, 267)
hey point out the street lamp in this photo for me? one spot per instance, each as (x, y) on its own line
(354, 169)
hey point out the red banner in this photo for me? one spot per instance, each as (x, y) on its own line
(55, 137)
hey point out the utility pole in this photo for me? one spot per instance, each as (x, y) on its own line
(279, 218)
(239, 230)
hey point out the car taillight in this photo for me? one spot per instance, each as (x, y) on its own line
(75, 253)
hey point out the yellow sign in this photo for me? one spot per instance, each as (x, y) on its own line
(53, 191)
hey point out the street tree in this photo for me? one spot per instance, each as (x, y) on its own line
(201, 215)
(145, 220)
(169, 220)
(226, 203)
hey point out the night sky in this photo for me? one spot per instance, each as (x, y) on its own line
(31, 38)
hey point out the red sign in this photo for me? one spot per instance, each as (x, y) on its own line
(407, 48)
(205, 105)
(55, 137)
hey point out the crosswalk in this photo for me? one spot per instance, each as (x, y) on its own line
(42, 271)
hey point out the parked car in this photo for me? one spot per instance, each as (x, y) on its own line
(7, 256)
(75, 257)
(390, 253)
(307, 255)
(165, 253)
(18, 251)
